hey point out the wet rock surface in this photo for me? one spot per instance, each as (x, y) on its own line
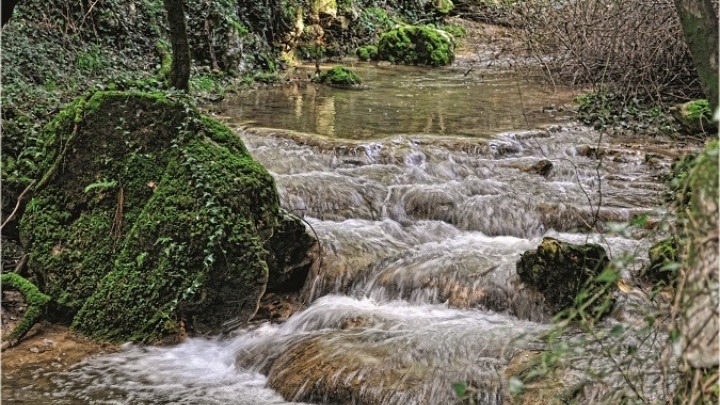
(560, 270)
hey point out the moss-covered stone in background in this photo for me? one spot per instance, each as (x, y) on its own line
(340, 76)
(695, 116)
(560, 270)
(416, 45)
(366, 53)
(156, 218)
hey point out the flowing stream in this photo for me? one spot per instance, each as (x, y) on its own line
(424, 188)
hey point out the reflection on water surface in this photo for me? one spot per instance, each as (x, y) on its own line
(403, 99)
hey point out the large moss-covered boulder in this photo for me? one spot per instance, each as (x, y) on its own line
(561, 270)
(149, 217)
(416, 45)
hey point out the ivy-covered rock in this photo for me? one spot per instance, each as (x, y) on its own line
(340, 76)
(561, 270)
(149, 217)
(417, 45)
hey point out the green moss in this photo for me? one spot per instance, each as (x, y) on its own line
(663, 262)
(311, 51)
(340, 76)
(443, 6)
(696, 116)
(157, 217)
(456, 31)
(702, 184)
(366, 53)
(36, 302)
(241, 29)
(417, 45)
(375, 20)
(698, 108)
(163, 50)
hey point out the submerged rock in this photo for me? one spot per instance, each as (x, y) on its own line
(151, 218)
(352, 351)
(561, 270)
(541, 167)
(416, 45)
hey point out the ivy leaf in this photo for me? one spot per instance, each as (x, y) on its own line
(608, 275)
(460, 388)
(640, 220)
(616, 330)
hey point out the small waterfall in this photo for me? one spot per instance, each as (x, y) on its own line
(416, 288)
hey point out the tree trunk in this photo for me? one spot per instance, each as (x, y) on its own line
(700, 24)
(180, 73)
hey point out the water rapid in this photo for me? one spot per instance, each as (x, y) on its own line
(416, 286)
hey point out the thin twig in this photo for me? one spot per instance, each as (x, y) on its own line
(17, 205)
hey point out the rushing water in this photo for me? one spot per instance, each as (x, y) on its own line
(420, 231)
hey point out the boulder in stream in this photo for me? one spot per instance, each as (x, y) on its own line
(340, 76)
(151, 218)
(561, 270)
